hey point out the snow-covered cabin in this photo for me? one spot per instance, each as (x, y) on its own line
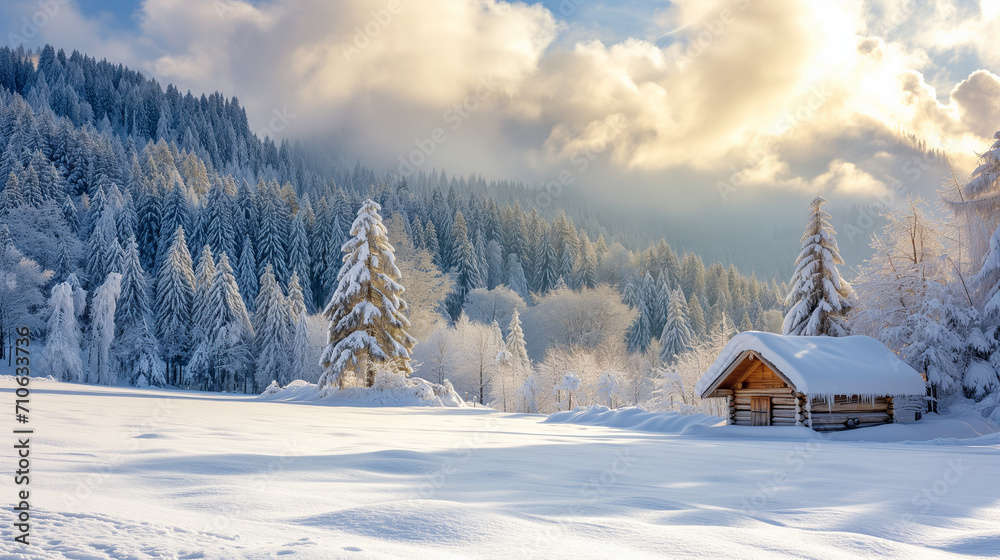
(826, 383)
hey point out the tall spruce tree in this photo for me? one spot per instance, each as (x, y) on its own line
(515, 341)
(298, 257)
(676, 337)
(222, 360)
(366, 312)
(175, 288)
(271, 320)
(61, 355)
(246, 273)
(204, 272)
(819, 297)
(135, 344)
(517, 281)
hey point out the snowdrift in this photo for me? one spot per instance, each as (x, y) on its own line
(961, 429)
(388, 391)
(633, 418)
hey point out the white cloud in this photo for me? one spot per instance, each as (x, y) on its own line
(796, 95)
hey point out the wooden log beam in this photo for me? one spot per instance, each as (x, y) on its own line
(840, 418)
(853, 407)
(783, 391)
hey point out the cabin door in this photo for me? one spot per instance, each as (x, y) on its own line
(760, 411)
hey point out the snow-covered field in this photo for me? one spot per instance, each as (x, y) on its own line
(127, 473)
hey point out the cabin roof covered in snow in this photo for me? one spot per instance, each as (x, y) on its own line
(821, 365)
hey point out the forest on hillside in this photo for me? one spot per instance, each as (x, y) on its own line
(169, 220)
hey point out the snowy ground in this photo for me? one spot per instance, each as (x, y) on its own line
(126, 473)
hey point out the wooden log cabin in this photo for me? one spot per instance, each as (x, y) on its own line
(824, 383)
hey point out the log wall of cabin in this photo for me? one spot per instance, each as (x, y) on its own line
(833, 415)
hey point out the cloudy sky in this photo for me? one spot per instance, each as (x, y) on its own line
(694, 107)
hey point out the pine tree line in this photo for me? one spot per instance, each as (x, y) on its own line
(94, 192)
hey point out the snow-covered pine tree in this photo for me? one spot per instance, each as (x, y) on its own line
(203, 275)
(70, 214)
(676, 337)
(218, 221)
(639, 334)
(79, 294)
(819, 297)
(303, 362)
(246, 273)
(517, 282)
(175, 286)
(173, 214)
(334, 258)
(223, 360)
(114, 259)
(102, 368)
(97, 251)
(696, 316)
(515, 341)
(298, 258)
(546, 265)
(271, 321)
(135, 345)
(661, 302)
(295, 300)
(126, 221)
(366, 313)
(495, 265)
(148, 227)
(587, 264)
(431, 242)
(271, 237)
(61, 355)
(468, 275)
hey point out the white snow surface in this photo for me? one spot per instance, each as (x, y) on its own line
(143, 473)
(824, 365)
